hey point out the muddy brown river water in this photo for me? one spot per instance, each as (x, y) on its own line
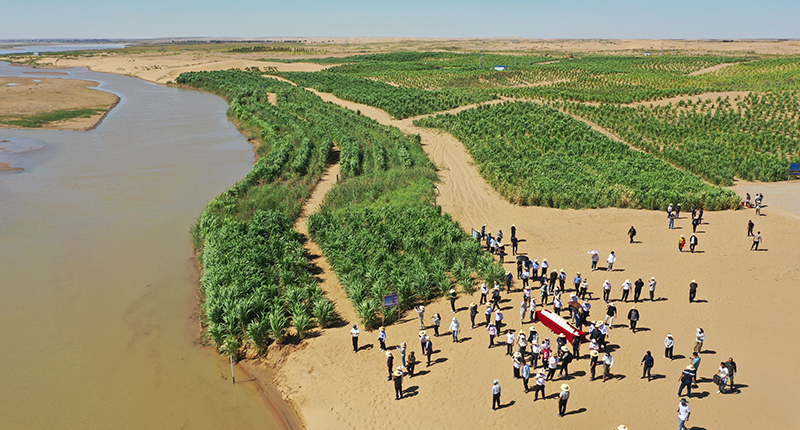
(97, 285)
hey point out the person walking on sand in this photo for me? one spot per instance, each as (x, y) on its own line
(608, 363)
(692, 290)
(403, 353)
(699, 338)
(496, 394)
(354, 332)
(606, 290)
(652, 289)
(541, 379)
(428, 351)
(562, 278)
(437, 322)
(510, 341)
(455, 326)
(498, 319)
(565, 358)
(593, 356)
(612, 258)
(492, 333)
(595, 260)
(750, 226)
(756, 241)
(631, 233)
(669, 344)
(484, 293)
(626, 290)
(473, 312)
(488, 313)
(687, 378)
(382, 338)
(683, 414)
(611, 313)
(695, 223)
(421, 315)
(584, 288)
(577, 281)
(516, 364)
(552, 366)
(633, 318)
(672, 217)
(453, 297)
(390, 363)
(681, 243)
(398, 384)
(721, 378)
(647, 363)
(731, 365)
(423, 337)
(692, 242)
(637, 289)
(412, 362)
(562, 400)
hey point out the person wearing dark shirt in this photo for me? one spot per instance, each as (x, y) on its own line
(633, 317)
(647, 362)
(637, 289)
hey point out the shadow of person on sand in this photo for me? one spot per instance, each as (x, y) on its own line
(575, 412)
(367, 346)
(511, 403)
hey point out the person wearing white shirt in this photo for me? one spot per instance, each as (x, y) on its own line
(683, 414)
(535, 350)
(699, 338)
(510, 342)
(354, 333)
(626, 289)
(612, 258)
(496, 394)
(652, 288)
(608, 363)
(722, 374)
(669, 343)
(552, 365)
(484, 293)
(455, 326)
(523, 307)
(539, 387)
(606, 290)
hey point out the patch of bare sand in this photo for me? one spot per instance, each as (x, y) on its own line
(28, 97)
(338, 389)
(711, 69)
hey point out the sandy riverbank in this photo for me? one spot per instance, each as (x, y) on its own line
(24, 98)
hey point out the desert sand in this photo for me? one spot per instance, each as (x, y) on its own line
(745, 304)
(27, 97)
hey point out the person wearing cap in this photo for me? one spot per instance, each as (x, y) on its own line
(421, 315)
(611, 313)
(669, 344)
(565, 359)
(637, 289)
(473, 312)
(390, 363)
(633, 318)
(612, 258)
(683, 414)
(539, 387)
(687, 378)
(412, 362)
(692, 290)
(608, 363)
(583, 289)
(606, 290)
(398, 384)
(562, 400)
(516, 364)
(652, 289)
(593, 356)
(492, 333)
(496, 394)
(671, 217)
(526, 376)
(453, 297)
(437, 322)
(626, 289)
(354, 332)
(699, 338)
(484, 293)
(647, 363)
(455, 326)
(382, 338)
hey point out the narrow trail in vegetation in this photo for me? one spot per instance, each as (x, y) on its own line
(328, 281)
(712, 69)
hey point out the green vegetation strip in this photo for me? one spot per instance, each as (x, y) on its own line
(534, 155)
(37, 121)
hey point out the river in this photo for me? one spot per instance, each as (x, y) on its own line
(97, 285)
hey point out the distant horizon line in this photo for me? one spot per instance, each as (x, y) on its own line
(315, 38)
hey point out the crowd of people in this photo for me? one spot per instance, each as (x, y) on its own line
(534, 359)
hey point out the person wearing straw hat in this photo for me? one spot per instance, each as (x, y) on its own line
(562, 400)
(565, 359)
(692, 290)
(622, 427)
(562, 278)
(683, 414)
(398, 384)
(606, 290)
(536, 349)
(428, 351)
(593, 354)
(516, 364)
(453, 297)
(510, 341)
(699, 338)
(626, 289)
(522, 341)
(608, 363)
(611, 313)
(423, 337)
(390, 363)
(437, 322)
(473, 312)
(552, 365)
(686, 379)
(421, 315)
(496, 394)
(577, 281)
(403, 349)
(455, 326)
(539, 387)
(484, 293)
(492, 333)
(382, 338)
(354, 332)
(412, 363)
(669, 344)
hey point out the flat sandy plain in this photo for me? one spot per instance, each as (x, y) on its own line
(745, 298)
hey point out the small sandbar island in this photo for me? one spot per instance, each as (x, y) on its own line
(53, 103)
